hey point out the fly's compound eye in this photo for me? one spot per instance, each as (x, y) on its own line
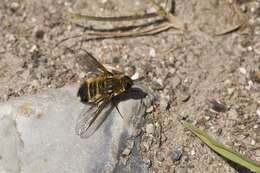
(128, 83)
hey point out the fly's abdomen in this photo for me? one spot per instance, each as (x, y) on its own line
(92, 89)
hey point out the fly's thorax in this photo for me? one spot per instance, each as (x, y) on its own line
(118, 83)
(112, 84)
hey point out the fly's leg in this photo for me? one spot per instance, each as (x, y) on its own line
(117, 108)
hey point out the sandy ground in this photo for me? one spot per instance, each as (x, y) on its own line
(212, 81)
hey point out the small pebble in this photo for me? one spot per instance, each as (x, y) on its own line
(116, 60)
(14, 6)
(149, 110)
(147, 161)
(185, 97)
(11, 37)
(159, 81)
(149, 128)
(126, 152)
(156, 85)
(165, 104)
(192, 152)
(257, 153)
(230, 91)
(183, 170)
(253, 142)
(258, 112)
(33, 49)
(137, 132)
(243, 8)
(176, 155)
(207, 118)
(82, 75)
(242, 70)
(39, 34)
(25, 74)
(249, 48)
(103, 1)
(227, 82)
(257, 48)
(146, 146)
(255, 76)
(160, 156)
(250, 85)
(217, 106)
(35, 83)
(152, 52)
(135, 76)
(232, 114)
(175, 81)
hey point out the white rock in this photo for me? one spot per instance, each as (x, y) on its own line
(37, 134)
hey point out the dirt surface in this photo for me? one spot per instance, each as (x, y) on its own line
(212, 81)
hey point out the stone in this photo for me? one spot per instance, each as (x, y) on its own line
(242, 70)
(176, 155)
(149, 128)
(256, 76)
(14, 6)
(258, 112)
(39, 34)
(232, 114)
(152, 52)
(149, 110)
(37, 134)
(217, 106)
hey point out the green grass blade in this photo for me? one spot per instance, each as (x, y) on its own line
(222, 150)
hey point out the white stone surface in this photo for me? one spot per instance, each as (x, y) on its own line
(37, 135)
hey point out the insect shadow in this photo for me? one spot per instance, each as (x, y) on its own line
(134, 93)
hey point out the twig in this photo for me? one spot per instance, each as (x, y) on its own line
(139, 33)
(176, 23)
(236, 27)
(111, 19)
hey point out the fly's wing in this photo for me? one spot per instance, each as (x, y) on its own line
(113, 69)
(91, 63)
(91, 119)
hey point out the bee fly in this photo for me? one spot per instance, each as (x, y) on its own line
(98, 89)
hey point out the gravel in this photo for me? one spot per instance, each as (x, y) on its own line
(183, 71)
